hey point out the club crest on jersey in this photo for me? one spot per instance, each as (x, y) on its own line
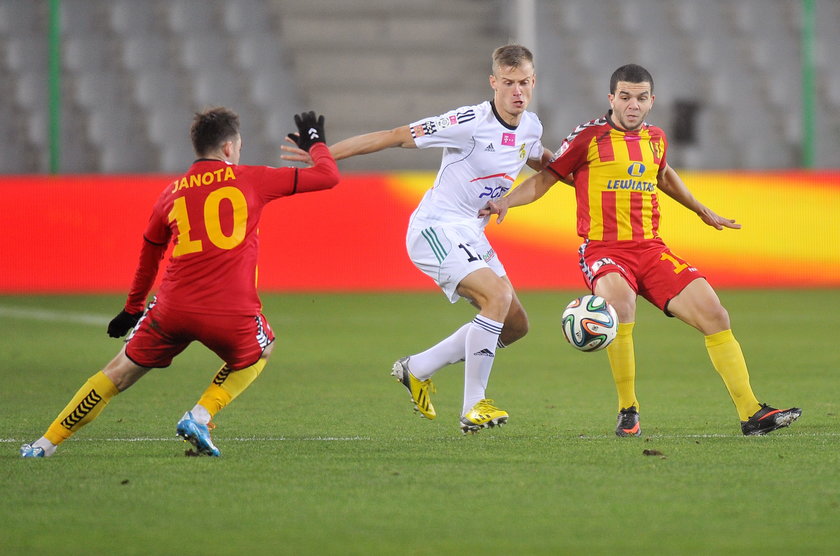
(508, 139)
(654, 147)
(637, 169)
(522, 152)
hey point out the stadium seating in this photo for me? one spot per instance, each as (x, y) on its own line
(134, 71)
(739, 61)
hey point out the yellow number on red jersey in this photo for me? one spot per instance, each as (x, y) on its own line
(212, 221)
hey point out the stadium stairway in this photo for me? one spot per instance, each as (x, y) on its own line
(378, 64)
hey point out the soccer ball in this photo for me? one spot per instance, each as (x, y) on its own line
(590, 323)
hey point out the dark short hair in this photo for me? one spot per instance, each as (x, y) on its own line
(511, 56)
(212, 128)
(631, 73)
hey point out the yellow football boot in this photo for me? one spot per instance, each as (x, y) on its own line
(419, 389)
(483, 415)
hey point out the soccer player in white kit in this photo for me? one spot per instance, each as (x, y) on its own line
(485, 146)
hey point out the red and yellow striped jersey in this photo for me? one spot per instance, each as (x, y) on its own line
(615, 175)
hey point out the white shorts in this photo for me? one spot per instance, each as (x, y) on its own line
(447, 254)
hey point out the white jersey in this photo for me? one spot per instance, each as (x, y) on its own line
(482, 156)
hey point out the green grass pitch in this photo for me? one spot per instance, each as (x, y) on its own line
(323, 455)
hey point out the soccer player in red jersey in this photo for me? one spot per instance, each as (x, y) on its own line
(208, 292)
(617, 164)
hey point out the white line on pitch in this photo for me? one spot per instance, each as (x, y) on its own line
(53, 316)
(236, 439)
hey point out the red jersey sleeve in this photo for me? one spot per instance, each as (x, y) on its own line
(281, 182)
(155, 241)
(144, 277)
(570, 156)
(323, 175)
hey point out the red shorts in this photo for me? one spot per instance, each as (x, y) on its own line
(650, 268)
(163, 333)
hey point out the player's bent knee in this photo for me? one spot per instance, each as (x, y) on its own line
(496, 301)
(625, 308)
(715, 319)
(500, 302)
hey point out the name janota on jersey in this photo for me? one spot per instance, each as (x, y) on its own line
(207, 178)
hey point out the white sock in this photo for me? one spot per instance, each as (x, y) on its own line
(447, 351)
(49, 447)
(199, 413)
(481, 341)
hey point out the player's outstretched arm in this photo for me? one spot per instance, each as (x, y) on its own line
(527, 192)
(374, 142)
(360, 144)
(672, 185)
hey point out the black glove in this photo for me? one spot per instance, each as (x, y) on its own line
(310, 130)
(122, 323)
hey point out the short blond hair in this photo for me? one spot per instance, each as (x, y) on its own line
(511, 56)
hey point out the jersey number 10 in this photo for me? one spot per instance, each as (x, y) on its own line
(212, 221)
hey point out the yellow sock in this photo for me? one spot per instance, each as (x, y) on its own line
(728, 360)
(622, 356)
(88, 402)
(227, 385)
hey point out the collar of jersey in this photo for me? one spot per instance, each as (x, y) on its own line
(499, 118)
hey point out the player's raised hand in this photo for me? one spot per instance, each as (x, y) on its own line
(499, 207)
(122, 323)
(717, 222)
(295, 153)
(310, 130)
